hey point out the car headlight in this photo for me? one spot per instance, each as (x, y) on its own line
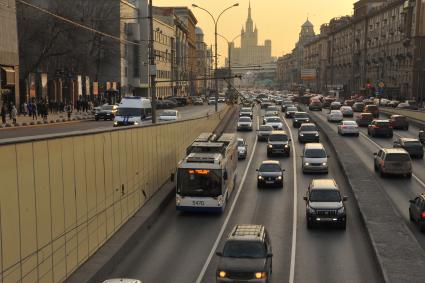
(301, 135)
(260, 275)
(324, 163)
(317, 134)
(286, 146)
(222, 274)
(270, 146)
(136, 123)
(306, 164)
(178, 200)
(115, 123)
(279, 177)
(341, 210)
(260, 178)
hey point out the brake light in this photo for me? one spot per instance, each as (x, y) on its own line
(423, 214)
(375, 126)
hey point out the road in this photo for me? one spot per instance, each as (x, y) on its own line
(177, 247)
(399, 190)
(186, 112)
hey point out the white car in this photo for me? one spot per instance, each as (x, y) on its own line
(347, 111)
(335, 116)
(275, 122)
(211, 101)
(245, 123)
(242, 149)
(169, 115)
(348, 128)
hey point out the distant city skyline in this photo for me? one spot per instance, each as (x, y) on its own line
(279, 21)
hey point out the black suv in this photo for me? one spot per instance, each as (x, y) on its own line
(299, 118)
(324, 204)
(412, 146)
(270, 174)
(380, 128)
(246, 256)
(308, 133)
(278, 143)
(417, 211)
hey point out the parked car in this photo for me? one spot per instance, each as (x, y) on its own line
(198, 101)
(348, 128)
(358, 107)
(308, 133)
(107, 112)
(299, 118)
(335, 116)
(244, 123)
(314, 158)
(373, 109)
(169, 115)
(364, 119)
(246, 255)
(324, 204)
(211, 101)
(290, 111)
(380, 128)
(417, 211)
(242, 148)
(270, 174)
(394, 161)
(412, 146)
(399, 122)
(264, 132)
(347, 111)
(278, 144)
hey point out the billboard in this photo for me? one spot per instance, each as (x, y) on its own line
(308, 74)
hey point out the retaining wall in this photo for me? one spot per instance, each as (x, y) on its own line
(61, 198)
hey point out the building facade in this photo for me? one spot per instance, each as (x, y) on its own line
(379, 50)
(9, 56)
(250, 53)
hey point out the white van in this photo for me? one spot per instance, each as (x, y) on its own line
(132, 111)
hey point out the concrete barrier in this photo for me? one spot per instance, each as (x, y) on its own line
(399, 255)
(63, 196)
(416, 117)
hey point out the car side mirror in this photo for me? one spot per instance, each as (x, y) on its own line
(219, 253)
(305, 198)
(225, 175)
(269, 255)
(290, 140)
(375, 154)
(344, 198)
(412, 201)
(328, 156)
(172, 177)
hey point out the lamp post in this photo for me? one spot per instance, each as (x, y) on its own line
(215, 40)
(229, 52)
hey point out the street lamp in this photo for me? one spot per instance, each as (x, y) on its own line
(215, 40)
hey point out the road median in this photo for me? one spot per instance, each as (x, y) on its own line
(398, 253)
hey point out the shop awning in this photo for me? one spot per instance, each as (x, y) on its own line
(8, 76)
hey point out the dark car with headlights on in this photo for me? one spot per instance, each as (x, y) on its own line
(107, 112)
(264, 132)
(299, 118)
(270, 174)
(417, 211)
(324, 204)
(246, 256)
(399, 122)
(412, 146)
(278, 144)
(308, 133)
(290, 111)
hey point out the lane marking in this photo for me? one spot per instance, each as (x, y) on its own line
(294, 220)
(378, 146)
(226, 221)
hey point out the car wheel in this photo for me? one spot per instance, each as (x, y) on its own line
(309, 224)
(343, 225)
(411, 216)
(409, 175)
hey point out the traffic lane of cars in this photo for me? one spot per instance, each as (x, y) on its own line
(176, 247)
(399, 190)
(345, 256)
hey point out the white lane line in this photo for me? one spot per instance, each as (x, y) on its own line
(226, 221)
(378, 146)
(294, 220)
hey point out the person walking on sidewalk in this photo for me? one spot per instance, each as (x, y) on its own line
(3, 114)
(14, 113)
(34, 111)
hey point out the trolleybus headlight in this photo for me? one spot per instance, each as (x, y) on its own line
(222, 274)
(260, 275)
(178, 200)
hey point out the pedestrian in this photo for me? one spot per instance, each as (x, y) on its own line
(25, 109)
(10, 110)
(14, 114)
(34, 111)
(3, 114)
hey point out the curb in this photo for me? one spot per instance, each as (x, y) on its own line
(399, 255)
(32, 124)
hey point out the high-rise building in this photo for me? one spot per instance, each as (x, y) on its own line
(250, 53)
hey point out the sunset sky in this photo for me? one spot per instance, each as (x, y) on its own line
(278, 20)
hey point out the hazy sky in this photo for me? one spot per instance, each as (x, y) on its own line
(278, 20)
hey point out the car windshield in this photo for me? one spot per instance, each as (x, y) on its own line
(269, 168)
(273, 120)
(349, 123)
(199, 182)
(266, 128)
(270, 114)
(129, 112)
(244, 249)
(278, 137)
(290, 109)
(169, 113)
(273, 108)
(309, 128)
(315, 153)
(325, 196)
(244, 119)
(108, 107)
(412, 143)
(397, 157)
(301, 115)
(241, 143)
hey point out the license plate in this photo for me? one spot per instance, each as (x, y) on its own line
(198, 203)
(269, 182)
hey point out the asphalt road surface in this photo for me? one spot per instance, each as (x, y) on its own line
(178, 246)
(399, 190)
(186, 112)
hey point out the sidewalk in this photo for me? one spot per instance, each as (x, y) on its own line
(60, 117)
